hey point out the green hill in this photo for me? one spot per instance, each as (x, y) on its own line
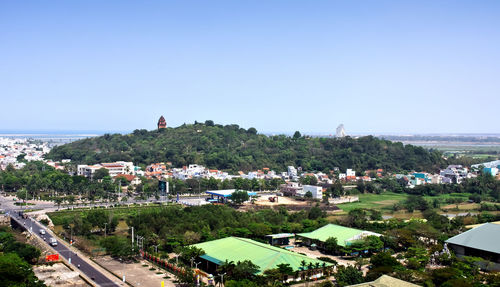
(233, 148)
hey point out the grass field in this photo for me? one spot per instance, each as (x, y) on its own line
(382, 202)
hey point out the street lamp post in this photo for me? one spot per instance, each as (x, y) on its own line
(105, 228)
(222, 279)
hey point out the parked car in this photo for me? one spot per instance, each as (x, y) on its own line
(53, 241)
(42, 231)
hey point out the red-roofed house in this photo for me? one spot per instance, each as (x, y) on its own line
(131, 178)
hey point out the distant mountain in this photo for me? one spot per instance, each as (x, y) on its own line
(233, 148)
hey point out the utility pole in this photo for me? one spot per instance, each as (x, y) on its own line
(132, 238)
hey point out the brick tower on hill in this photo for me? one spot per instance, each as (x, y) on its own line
(162, 123)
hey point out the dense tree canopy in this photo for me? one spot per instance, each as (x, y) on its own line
(15, 259)
(233, 148)
(171, 225)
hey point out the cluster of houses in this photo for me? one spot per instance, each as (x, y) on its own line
(491, 167)
(452, 174)
(12, 148)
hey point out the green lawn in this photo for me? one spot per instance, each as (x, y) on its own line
(383, 201)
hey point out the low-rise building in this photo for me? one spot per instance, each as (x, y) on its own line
(265, 256)
(493, 171)
(344, 235)
(134, 180)
(291, 189)
(481, 241)
(316, 191)
(114, 168)
(454, 174)
(350, 174)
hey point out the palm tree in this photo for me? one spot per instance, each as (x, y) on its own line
(303, 268)
(303, 264)
(58, 201)
(310, 267)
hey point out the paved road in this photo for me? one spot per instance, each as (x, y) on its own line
(76, 261)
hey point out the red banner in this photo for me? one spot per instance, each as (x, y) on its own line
(52, 257)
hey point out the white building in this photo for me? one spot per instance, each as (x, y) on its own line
(489, 164)
(350, 172)
(454, 174)
(115, 168)
(292, 171)
(316, 191)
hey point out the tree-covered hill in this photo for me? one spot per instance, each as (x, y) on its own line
(233, 148)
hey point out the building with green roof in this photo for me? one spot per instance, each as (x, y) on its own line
(344, 235)
(263, 255)
(482, 241)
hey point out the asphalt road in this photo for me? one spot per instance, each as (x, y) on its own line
(76, 261)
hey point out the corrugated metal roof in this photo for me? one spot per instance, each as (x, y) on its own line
(263, 255)
(342, 233)
(485, 237)
(281, 235)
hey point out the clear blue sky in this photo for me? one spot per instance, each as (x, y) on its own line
(375, 66)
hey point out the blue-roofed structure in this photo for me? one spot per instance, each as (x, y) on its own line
(224, 194)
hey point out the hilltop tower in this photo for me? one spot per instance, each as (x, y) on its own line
(340, 131)
(162, 123)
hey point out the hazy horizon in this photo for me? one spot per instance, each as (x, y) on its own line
(7, 132)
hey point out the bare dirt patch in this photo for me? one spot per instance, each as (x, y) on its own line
(59, 274)
(282, 200)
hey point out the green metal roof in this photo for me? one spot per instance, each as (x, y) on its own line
(342, 233)
(263, 255)
(484, 237)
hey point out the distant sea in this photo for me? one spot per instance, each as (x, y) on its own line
(54, 138)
